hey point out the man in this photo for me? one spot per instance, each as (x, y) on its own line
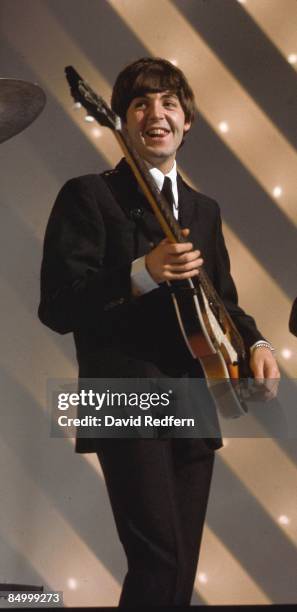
(103, 277)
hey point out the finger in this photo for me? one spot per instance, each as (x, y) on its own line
(259, 381)
(185, 232)
(269, 395)
(179, 268)
(271, 389)
(165, 241)
(258, 373)
(181, 256)
(272, 372)
(184, 258)
(271, 385)
(168, 275)
(257, 369)
(259, 393)
(178, 248)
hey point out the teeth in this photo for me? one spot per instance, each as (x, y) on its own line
(157, 132)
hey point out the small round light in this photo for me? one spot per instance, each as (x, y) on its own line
(72, 583)
(89, 118)
(292, 58)
(277, 191)
(286, 353)
(202, 577)
(96, 132)
(224, 127)
(76, 105)
(283, 519)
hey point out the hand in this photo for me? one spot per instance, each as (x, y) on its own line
(265, 370)
(173, 261)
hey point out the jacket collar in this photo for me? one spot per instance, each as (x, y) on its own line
(186, 196)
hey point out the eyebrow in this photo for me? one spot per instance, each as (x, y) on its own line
(164, 94)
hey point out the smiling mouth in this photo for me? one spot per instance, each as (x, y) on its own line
(157, 132)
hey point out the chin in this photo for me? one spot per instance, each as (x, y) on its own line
(159, 154)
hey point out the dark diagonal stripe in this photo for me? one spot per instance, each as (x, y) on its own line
(250, 55)
(245, 206)
(258, 543)
(109, 44)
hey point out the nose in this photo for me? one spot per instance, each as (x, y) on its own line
(155, 109)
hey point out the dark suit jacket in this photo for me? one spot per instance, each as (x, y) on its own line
(98, 226)
(293, 319)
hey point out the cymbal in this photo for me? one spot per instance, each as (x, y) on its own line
(20, 103)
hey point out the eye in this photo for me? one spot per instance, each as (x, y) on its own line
(170, 103)
(140, 104)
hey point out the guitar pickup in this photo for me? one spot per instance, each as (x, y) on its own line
(179, 288)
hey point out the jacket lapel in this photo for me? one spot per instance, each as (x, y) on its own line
(138, 209)
(129, 196)
(186, 202)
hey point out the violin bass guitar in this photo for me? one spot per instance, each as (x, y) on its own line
(207, 328)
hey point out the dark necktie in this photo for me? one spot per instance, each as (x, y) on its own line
(168, 193)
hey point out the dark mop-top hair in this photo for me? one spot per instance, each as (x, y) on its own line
(151, 75)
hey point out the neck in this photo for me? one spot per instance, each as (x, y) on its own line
(164, 166)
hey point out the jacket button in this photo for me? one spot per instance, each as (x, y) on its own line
(136, 213)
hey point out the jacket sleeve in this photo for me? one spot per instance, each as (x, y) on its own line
(225, 287)
(79, 279)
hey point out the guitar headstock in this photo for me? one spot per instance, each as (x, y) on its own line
(94, 104)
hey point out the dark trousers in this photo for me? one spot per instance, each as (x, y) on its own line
(158, 491)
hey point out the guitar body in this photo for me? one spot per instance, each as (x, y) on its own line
(207, 342)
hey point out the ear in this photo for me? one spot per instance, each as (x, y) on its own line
(187, 126)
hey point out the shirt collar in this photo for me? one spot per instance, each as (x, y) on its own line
(159, 177)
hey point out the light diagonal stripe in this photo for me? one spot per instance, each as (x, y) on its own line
(255, 140)
(233, 586)
(50, 542)
(278, 19)
(269, 474)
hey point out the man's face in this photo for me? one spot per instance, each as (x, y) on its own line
(156, 125)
